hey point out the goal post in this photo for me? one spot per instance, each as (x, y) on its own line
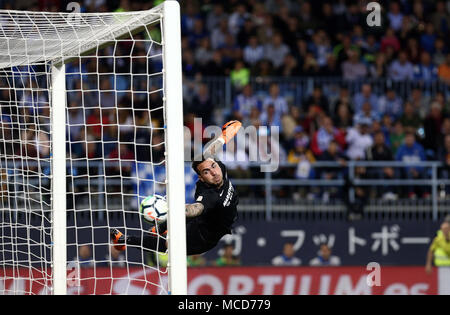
(87, 103)
(59, 208)
(175, 153)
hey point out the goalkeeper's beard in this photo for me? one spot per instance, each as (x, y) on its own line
(215, 182)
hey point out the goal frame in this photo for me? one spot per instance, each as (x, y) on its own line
(174, 135)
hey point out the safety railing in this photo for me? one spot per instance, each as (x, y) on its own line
(349, 180)
(434, 180)
(296, 89)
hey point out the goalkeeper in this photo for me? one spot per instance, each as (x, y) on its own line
(210, 217)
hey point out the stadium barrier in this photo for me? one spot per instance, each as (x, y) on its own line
(268, 183)
(245, 281)
(297, 89)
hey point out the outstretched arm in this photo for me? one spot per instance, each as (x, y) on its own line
(194, 210)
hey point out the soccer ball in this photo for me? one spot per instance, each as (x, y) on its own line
(154, 209)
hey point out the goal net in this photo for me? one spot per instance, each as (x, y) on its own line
(90, 124)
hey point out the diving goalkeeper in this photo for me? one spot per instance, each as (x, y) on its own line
(210, 217)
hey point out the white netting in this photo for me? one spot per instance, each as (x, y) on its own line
(115, 148)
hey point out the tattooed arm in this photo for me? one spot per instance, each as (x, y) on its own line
(194, 210)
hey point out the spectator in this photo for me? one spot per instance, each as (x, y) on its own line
(287, 258)
(215, 16)
(270, 117)
(201, 105)
(343, 98)
(359, 139)
(401, 69)
(240, 75)
(379, 68)
(204, 53)
(364, 96)
(237, 19)
(413, 50)
(190, 67)
(84, 258)
(390, 40)
(410, 119)
(358, 37)
(290, 67)
(428, 38)
(439, 249)
(395, 16)
(386, 126)
(444, 156)
(440, 18)
(390, 104)
(253, 52)
(230, 51)
(246, 32)
(325, 257)
(440, 51)
(196, 261)
(227, 258)
(397, 136)
(308, 21)
(292, 33)
(276, 51)
(420, 102)
(274, 98)
(425, 71)
(198, 34)
(320, 47)
(215, 66)
(432, 127)
(331, 68)
(353, 68)
(379, 151)
(444, 70)
(326, 134)
(289, 123)
(370, 48)
(410, 153)
(367, 113)
(189, 17)
(310, 65)
(330, 20)
(218, 34)
(317, 99)
(343, 118)
(332, 154)
(244, 103)
(299, 153)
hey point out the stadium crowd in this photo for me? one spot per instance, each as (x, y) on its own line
(248, 40)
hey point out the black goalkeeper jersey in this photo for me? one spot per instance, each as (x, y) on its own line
(220, 207)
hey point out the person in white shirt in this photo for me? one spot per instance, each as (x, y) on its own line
(359, 139)
(287, 258)
(253, 52)
(280, 103)
(324, 258)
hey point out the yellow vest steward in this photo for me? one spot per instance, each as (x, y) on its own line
(441, 250)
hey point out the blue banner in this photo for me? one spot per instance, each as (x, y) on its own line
(357, 243)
